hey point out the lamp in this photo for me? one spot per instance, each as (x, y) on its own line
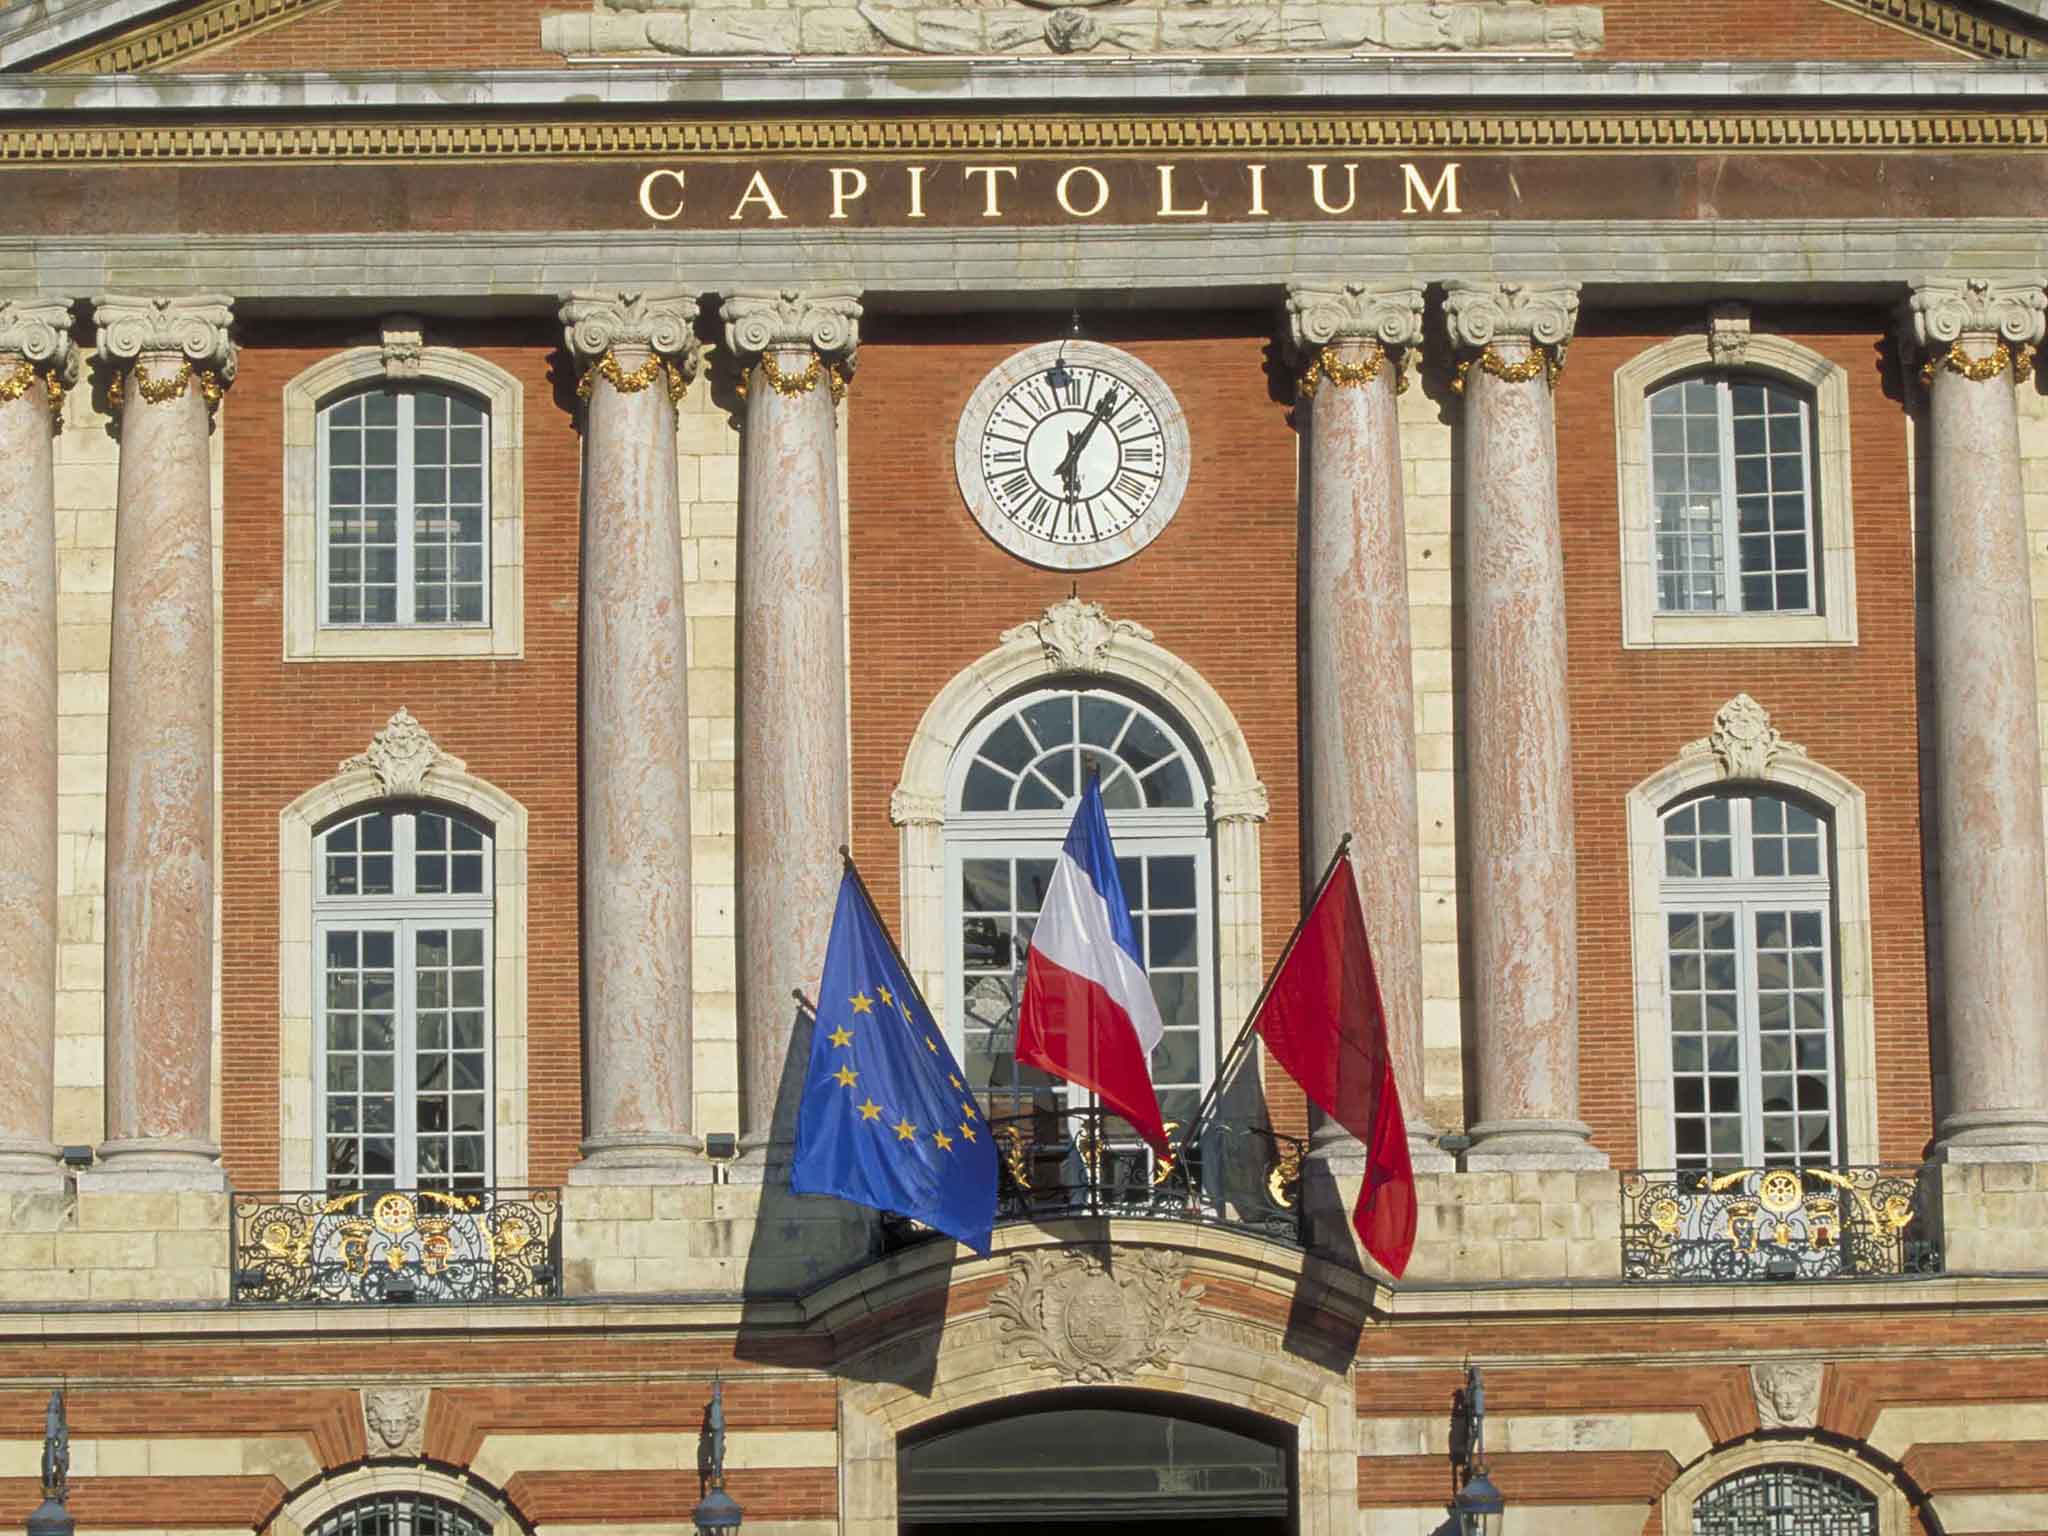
(1477, 1507)
(51, 1518)
(717, 1513)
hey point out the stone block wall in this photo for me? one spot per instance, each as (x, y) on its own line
(107, 1246)
(1517, 1226)
(1993, 1216)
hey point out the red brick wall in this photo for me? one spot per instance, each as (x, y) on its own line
(287, 727)
(931, 591)
(1757, 29)
(1853, 708)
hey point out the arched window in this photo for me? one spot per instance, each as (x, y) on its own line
(1785, 1500)
(405, 511)
(1749, 972)
(1731, 469)
(400, 1514)
(1014, 782)
(402, 932)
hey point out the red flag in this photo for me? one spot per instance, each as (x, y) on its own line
(1324, 1022)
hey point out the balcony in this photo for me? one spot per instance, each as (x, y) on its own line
(392, 1245)
(1723, 1226)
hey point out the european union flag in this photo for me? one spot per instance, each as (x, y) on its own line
(886, 1119)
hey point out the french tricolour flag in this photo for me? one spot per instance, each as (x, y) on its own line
(1088, 1014)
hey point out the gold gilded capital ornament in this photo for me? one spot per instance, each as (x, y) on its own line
(663, 324)
(1325, 319)
(760, 322)
(38, 332)
(1539, 316)
(1947, 312)
(136, 332)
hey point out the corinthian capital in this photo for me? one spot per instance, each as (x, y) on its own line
(824, 320)
(39, 331)
(1537, 314)
(194, 329)
(1944, 310)
(1322, 314)
(664, 323)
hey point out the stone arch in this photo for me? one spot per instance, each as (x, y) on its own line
(1893, 1506)
(1077, 642)
(504, 637)
(1779, 357)
(1744, 748)
(403, 762)
(315, 1501)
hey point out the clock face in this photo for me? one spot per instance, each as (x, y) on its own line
(1072, 454)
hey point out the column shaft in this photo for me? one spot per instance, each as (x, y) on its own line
(1994, 878)
(635, 755)
(34, 350)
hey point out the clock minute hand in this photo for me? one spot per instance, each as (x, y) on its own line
(1069, 467)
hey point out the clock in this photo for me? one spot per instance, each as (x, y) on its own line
(1072, 454)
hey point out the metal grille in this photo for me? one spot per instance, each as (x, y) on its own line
(1785, 1501)
(401, 1514)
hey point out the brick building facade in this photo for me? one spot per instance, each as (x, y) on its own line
(492, 498)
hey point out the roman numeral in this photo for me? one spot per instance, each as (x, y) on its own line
(1130, 487)
(1007, 456)
(1144, 454)
(1014, 484)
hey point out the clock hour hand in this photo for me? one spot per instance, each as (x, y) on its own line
(1069, 467)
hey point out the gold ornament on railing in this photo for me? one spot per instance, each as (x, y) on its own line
(162, 391)
(1326, 364)
(1979, 370)
(632, 383)
(790, 385)
(1548, 362)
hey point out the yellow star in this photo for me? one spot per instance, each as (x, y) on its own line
(954, 1079)
(967, 1130)
(847, 1077)
(862, 1003)
(931, 1045)
(968, 1107)
(841, 1036)
(905, 1131)
(869, 1110)
(883, 994)
(942, 1141)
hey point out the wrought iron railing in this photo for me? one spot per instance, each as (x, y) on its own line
(1062, 1163)
(1736, 1224)
(396, 1245)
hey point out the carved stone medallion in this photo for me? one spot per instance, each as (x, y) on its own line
(402, 755)
(1077, 636)
(1097, 1315)
(1787, 1393)
(396, 1418)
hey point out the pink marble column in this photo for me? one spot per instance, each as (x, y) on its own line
(37, 362)
(792, 743)
(638, 353)
(1517, 721)
(1358, 690)
(171, 360)
(1987, 732)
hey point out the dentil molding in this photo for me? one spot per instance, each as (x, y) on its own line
(402, 755)
(663, 322)
(1097, 1315)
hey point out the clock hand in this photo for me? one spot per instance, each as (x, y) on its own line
(1069, 466)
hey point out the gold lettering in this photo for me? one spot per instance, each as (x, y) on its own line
(916, 191)
(992, 209)
(1315, 172)
(848, 183)
(1446, 188)
(647, 195)
(1258, 206)
(757, 191)
(1166, 208)
(1101, 191)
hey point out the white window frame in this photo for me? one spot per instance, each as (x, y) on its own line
(1830, 500)
(306, 637)
(407, 393)
(1744, 894)
(403, 914)
(1727, 515)
(1039, 835)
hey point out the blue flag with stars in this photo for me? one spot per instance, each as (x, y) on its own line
(886, 1119)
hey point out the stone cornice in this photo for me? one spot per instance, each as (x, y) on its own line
(1320, 314)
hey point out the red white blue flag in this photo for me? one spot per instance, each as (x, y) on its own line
(1088, 1014)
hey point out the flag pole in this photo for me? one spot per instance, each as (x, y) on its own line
(1244, 1035)
(853, 869)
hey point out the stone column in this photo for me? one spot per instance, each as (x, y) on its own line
(171, 358)
(638, 354)
(1994, 913)
(1358, 688)
(795, 349)
(1517, 723)
(37, 363)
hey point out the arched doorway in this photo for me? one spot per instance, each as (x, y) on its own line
(1098, 1461)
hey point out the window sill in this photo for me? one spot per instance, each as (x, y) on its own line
(407, 643)
(1682, 631)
